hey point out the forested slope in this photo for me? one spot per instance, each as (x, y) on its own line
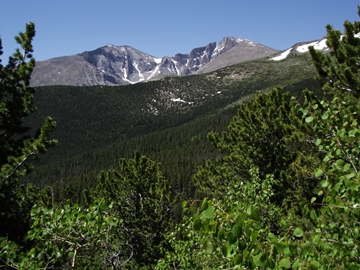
(167, 118)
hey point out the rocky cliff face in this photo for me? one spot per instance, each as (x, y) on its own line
(118, 65)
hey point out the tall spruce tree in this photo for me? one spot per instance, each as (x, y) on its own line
(17, 146)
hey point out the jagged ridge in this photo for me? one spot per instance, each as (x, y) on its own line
(119, 65)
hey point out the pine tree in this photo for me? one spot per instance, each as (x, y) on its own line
(17, 146)
(142, 201)
(338, 70)
(266, 135)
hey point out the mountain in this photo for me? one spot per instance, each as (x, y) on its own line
(121, 65)
(241, 50)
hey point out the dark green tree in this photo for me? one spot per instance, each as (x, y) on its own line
(17, 146)
(338, 70)
(264, 134)
(142, 201)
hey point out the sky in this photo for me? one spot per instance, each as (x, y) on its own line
(166, 27)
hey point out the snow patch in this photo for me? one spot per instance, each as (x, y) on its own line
(182, 101)
(318, 45)
(282, 56)
(157, 60)
(178, 100)
(155, 72)
(239, 40)
(136, 65)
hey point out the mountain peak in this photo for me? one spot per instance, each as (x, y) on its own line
(234, 41)
(117, 65)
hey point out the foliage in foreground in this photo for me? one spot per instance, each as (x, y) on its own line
(127, 215)
(16, 144)
(64, 236)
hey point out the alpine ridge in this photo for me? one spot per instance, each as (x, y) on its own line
(121, 65)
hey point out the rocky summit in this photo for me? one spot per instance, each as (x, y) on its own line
(120, 65)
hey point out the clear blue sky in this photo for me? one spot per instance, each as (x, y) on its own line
(166, 27)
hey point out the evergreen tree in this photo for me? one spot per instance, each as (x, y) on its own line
(264, 134)
(338, 70)
(142, 201)
(17, 146)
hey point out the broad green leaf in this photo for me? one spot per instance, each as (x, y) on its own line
(259, 259)
(184, 204)
(204, 204)
(209, 248)
(249, 210)
(237, 259)
(285, 263)
(254, 236)
(208, 212)
(309, 119)
(314, 265)
(316, 240)
(283, 222)
(236, 231)
(350, 175)
(231, 238)
(279, 248)
(298, 232)
(313, 215)
(272, 237)
(340, 162)
(324, 183)
(231, 251)
(296, 264)
(319, 172)
(240, 220)
(318, 142)
(287, 251)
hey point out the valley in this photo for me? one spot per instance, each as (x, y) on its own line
(97, 125)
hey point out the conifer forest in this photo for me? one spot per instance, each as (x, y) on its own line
(255, 173)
